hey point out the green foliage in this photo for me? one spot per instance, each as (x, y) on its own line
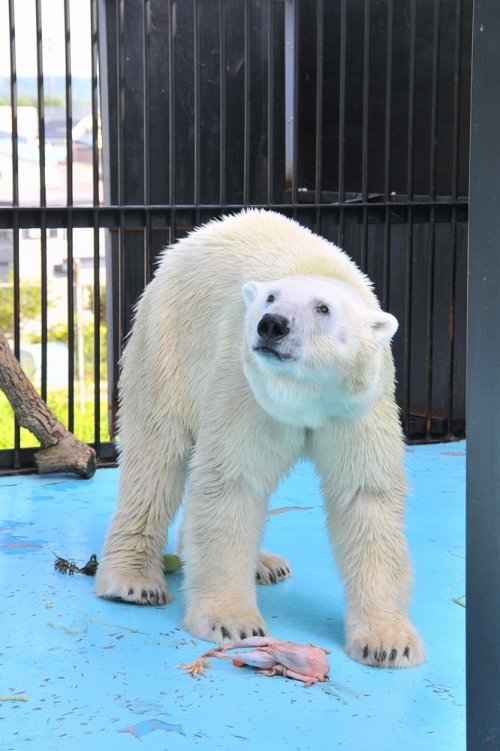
(29, 303)
(58, 403)
(84, 409)
(32, 101)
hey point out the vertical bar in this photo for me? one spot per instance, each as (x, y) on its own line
(43, 195)
(120, 255)
(454, 197)
(70, 292)
(197, 99)
(483, 389)
(222, 103)
(171, 104)
(411, 101)
(147, 137)
(15, 203)
(13, 102)
(342, 115)
(69, 104)
(94, 75)
(120, 99)
(366, 99)
(295, 143)
(69, 229)
(270, 103)
(146, 45)
(432, 227)
(364, 147)
(97, 336)
(386, 289)
(290, 96)
(409, 241)
(246, 105)
(17, 323)
(318, 173)
(41, 102)
(96, 237)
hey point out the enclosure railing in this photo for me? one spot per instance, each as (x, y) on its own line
(125, 124)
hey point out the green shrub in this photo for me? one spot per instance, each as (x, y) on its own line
(58, 403)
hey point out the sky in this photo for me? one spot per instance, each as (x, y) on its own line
(52, 36)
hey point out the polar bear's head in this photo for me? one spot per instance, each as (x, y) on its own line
(313, 348)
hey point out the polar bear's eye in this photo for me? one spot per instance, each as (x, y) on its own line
(270, 298)
(324, 309)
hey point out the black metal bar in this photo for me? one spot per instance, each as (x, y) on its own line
(318, 172)
(454, 193)
(290, 93)
(17, 322)
(364, 148)
(43, 194)
(222, 102)
(483, 390)
(296, 104)
(97, 337)
(94, 62)
(147, 73)
(171, 105)
(69, 103)
(13, 102)
(41, 102)
(270, 101)
(366, 100)
(70, 307)
(15, 202)
(197, 106)
(387, 157)
(94, 75)
(411, 100)
(407, 382)
(247, 82)
(432, 226)
(147, 134)
(342, 114)
(135, 216)
(120, 85)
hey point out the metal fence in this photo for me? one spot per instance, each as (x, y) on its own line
(157, 115)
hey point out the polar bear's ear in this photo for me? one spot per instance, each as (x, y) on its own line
(383, 326)
(250, 290)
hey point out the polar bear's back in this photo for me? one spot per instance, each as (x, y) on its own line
(189, 320)
(258, 245)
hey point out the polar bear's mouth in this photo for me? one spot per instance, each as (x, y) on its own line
(271, 352)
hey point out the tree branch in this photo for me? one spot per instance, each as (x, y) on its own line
(61, 451)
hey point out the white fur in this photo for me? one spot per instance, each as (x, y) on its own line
(200, 394)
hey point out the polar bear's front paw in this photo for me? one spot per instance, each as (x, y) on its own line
(271, 568)
(391, 644)
(141, 589)
(224, 627)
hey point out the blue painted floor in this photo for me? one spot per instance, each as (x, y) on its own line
(102, 675)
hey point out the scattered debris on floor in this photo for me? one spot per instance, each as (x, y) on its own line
(14, 697)
(69, 567)
(171, 563)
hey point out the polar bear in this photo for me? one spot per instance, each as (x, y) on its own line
(256, 343)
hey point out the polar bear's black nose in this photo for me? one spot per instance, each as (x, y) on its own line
(272, 327)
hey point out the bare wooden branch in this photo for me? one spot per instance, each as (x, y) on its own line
(61, 451)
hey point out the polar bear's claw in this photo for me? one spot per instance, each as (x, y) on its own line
(132, 588)
(271, 569)
(226, 628)
(392, 647)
